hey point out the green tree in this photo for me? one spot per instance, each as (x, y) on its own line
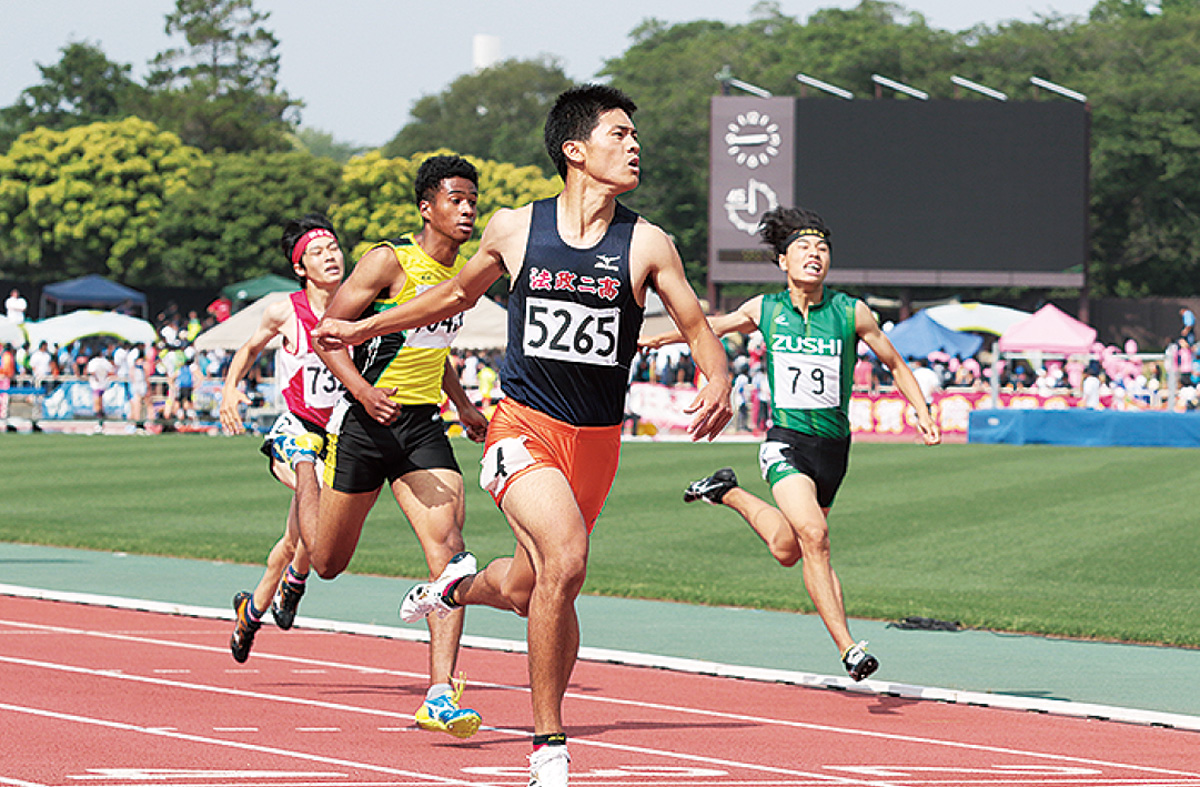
(1137, 67)
(220, 90)
(377, 200)
(1143, 82)
(227, 227)
(88, 199)
(83, 87)
(496, 113)
(669, 72)
(323, 145)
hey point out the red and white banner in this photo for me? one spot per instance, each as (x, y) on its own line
(885, 416)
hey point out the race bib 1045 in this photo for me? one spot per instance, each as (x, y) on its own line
(436, 336)
(806, 382)
(572, 332)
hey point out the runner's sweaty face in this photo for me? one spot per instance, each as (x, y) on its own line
(806, 260)
(452, 210)
(322, 261)
(612, 151)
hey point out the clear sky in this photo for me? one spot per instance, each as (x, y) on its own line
(359, 65)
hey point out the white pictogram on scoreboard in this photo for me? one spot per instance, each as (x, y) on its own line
(745, 206)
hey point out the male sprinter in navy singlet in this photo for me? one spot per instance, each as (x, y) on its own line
(580, 264)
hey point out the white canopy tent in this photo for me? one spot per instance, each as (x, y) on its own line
(234, 332)
(977, 317)
(485, 327)
(11, 333)
(66, 328)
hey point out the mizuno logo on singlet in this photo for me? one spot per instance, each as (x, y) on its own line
(606, 262)
(781, 319)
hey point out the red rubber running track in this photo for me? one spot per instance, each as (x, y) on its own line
(113, 698)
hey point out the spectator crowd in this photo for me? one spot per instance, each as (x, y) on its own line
(172, 381)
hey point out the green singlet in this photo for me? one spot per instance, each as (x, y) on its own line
(810, 363)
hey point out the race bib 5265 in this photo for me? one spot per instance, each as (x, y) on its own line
(571, 332)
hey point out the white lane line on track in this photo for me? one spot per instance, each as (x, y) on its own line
(578, 741)
(610, 700)
(676, 664)
(19, 782)
(252, 747)
(372, 711)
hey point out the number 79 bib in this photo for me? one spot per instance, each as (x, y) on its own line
(806, 382)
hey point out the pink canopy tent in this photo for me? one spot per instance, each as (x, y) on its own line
(1048, 330)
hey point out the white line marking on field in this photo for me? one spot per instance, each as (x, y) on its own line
(607, 656)
(693, 666)
(221, 743)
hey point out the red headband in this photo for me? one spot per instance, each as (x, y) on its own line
(307, 238)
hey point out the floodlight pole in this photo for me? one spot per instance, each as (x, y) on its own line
(808, 81)
(1059, 89)
(882, 81)
(727, 80)
(978, 88)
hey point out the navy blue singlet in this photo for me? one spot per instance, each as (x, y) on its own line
(573, 323)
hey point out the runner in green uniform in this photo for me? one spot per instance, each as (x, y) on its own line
(811, 333)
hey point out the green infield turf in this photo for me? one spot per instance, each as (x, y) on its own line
(1081, 542)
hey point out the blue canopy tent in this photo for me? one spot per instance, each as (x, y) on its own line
(920, 335)
(95, 292)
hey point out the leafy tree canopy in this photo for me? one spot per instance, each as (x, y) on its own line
(87, 199)
(228, 226)
(378, 202)
(220, 90)
(496, 113)
(323, 145)
(1134, 59)
(83, 87)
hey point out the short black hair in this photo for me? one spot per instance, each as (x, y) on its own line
(435, 169)
(575, 114)
(777, 227)
(293, 231)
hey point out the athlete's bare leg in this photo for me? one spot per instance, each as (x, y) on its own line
(540, 581)
(548, 570)
(289, 549)
(799, 529)
(333, 537)
(505, 583)
(433, 502)
(277, 562)
(768, 522)
(554, 540)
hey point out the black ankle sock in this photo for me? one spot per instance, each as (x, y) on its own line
(553, 739)
(448, 596)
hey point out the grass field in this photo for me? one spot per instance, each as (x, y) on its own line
(1081, 542)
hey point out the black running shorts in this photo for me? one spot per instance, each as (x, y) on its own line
(361, 453)
(788, 452)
